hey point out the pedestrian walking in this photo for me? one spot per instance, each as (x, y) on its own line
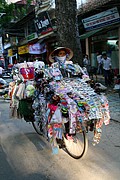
(99, 62)
(86, 63)
(106, 69)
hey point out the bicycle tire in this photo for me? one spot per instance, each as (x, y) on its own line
(77, 148)
(37, 128)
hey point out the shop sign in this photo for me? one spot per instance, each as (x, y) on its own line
(102, 19)
(23, 49)
(32, 36)
(37, 48)
(10, 52)
(43, 23)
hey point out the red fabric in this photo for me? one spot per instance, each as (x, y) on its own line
(52, 107)
(27, 73)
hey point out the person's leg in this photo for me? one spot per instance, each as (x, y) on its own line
(109, 78)
(101, 69)
(105, 76)
(98, 70)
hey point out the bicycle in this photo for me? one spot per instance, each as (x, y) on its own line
(76, 147)
(77, 144)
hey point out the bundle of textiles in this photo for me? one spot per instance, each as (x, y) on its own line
(72, 102)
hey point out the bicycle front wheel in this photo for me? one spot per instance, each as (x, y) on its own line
(38, 127)
(77, 146)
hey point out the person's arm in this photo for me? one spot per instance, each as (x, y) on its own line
(88, 62)
(110, 65)
(101, 60)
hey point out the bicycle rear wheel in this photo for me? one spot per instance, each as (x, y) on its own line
(77, 146)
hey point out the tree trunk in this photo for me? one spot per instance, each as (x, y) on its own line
(67, 27)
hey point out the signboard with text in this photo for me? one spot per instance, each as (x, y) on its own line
(32, 36)
(43, 23)
(23, 49)
(105, 18)
(10, 52)
(37, 48)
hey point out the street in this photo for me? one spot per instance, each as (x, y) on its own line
(60, 53)
(26, 155)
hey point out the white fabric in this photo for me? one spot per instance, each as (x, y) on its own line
(39, 65)
(3, 81)
(102, 86)
(62, 58)
(68, 62)
(57, 117)
(117, 87)
(99, 59)
(86, 61)
(1, 70)
(106, 63)
(20, 92)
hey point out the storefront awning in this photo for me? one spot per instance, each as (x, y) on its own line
(46, 35)
(89, 34)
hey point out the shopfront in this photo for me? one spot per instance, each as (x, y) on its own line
(32, 51)
(103, 36)
(106, 41)
(23, 52)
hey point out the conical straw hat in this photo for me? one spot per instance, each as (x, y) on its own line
(54, 53)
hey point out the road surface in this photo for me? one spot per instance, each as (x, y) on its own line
(24, 155)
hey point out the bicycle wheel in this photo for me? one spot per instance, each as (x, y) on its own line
(77, 146)
(38, 127)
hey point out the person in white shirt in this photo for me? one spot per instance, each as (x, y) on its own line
(86, 63)
(99, 62)
(106, 68)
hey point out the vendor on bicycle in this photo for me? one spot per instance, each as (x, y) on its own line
(63, 56)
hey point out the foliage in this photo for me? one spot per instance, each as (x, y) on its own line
(12, 12)
(94, 4)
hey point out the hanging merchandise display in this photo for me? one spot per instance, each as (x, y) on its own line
(21, 91)
(60, 103)
(74, 100)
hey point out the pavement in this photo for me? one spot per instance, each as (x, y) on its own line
(114, 106)
(113, 99)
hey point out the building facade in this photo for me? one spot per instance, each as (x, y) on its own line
(100, 27)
